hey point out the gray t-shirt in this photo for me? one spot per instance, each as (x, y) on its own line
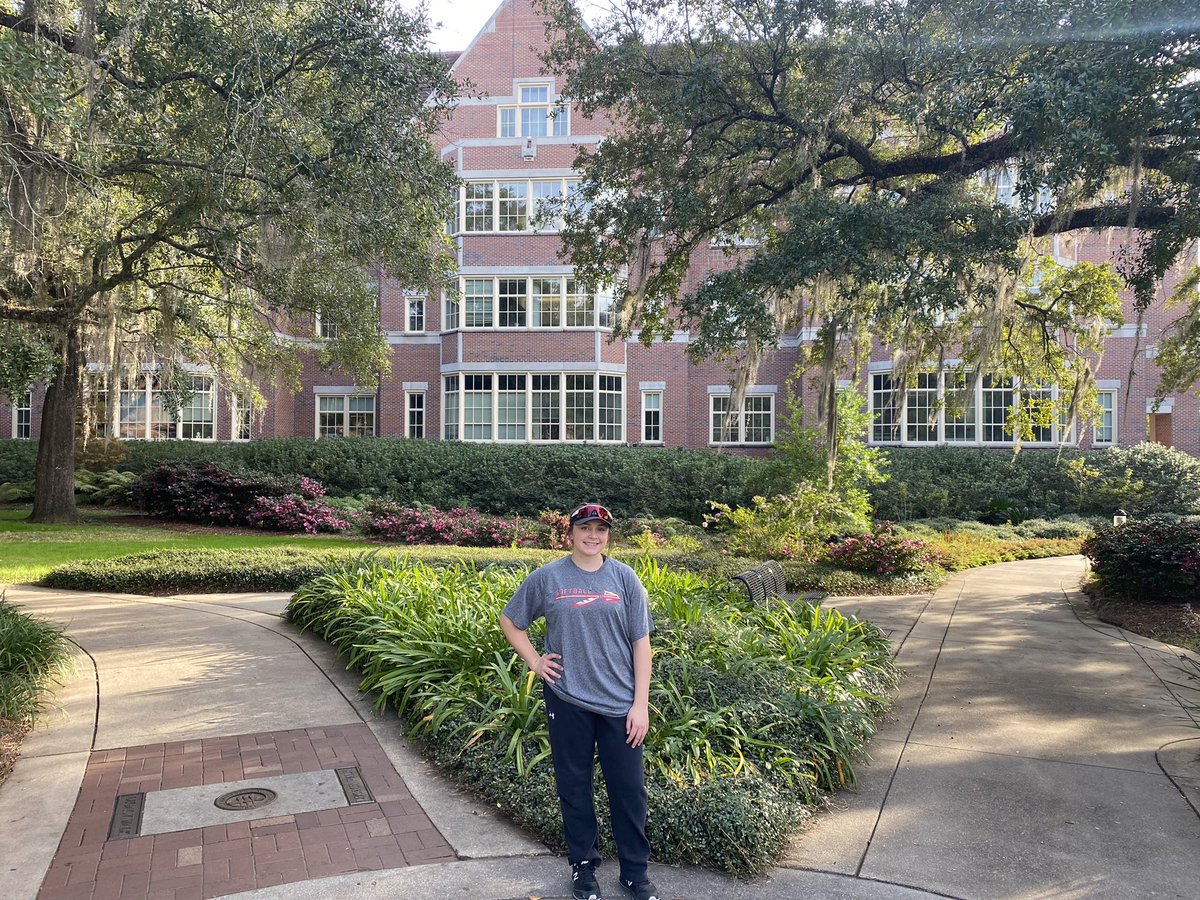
(593, 619)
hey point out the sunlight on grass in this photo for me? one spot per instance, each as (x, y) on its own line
(28, 551)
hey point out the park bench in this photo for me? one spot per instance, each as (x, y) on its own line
(766, 580)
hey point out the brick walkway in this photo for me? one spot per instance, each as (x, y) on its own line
(391, 832)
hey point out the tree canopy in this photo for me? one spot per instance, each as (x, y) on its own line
(194, 181)
(858, 148)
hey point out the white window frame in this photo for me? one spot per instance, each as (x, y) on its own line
(730, 431)
(538, 215)
(601, 394)
(324, 330)
(22, 418)
(183, 423)
(416, 312)
(1111, 414)
(554, 112)
(1061, 432)
(241, 417)
(415, 402)
(657, 412)
(156, 422)
(576, 308)
(345, 429)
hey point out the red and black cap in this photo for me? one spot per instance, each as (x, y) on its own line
(591, 512)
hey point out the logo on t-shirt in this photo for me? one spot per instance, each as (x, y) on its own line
(578, 597)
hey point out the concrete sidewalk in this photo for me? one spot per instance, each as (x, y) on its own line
(1031, 753)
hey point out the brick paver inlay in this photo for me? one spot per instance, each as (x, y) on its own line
(391, 832)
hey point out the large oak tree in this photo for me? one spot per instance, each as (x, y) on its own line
(191, 182)
(857, 145)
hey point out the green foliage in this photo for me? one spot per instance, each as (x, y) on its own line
(1156, 558)
(34, 656)
(788, 526)
(756, 710)
(95, 488)
(996, 485)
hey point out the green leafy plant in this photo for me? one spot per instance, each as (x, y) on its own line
(34, 655)
(1155, 558)
(786, 526)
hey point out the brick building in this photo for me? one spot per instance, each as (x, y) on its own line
(522, 352)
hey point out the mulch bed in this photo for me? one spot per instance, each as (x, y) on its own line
(10, 745)
(1175, 623)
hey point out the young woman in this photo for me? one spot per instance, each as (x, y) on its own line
(596, 682)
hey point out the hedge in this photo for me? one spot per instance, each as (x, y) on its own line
(1156, 558)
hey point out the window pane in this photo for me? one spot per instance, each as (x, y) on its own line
(513, 205)
(580, 408)
(537, 93)
(162, 419)
(533, 121)
(885, 417)
(331, 416)
(546, 212)
(724, 430)
(477, 208)
(361, 422)
(416, 416)
(547, 301)
(478, 300)
(450, 407)
(450, 318)
(196, 419)
(922, 408)
(652, 417)
(510, 408)
(997, 400)
(1105, 430)
(513, 303)
(959, 406)
(562, 121)
(131, 417)
(1038, 403)
(477, 407)
(241, 412)
(23, 420)
(416, 314)
(604, 308)
(757, 422)
(544, 408)
(581, 310)
(508, 121)
(611, 409)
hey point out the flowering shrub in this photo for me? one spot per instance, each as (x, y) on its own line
(555, 526)
(463, 527)
(786, 526)
(295, 512)
(883, 552)
(212, 495)
(1156, 558)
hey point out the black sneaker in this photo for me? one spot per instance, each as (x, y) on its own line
(583, 880)
(641, 890)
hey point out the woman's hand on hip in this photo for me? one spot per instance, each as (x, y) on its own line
(548, 668)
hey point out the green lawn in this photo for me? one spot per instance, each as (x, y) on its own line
(27, 552)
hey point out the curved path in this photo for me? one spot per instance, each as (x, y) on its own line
(1032, 752)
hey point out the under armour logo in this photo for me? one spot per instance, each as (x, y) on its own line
(551, 715)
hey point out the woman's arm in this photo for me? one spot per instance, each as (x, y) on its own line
(637, 723)
(545, 667)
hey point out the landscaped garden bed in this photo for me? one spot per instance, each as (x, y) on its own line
(757, 710)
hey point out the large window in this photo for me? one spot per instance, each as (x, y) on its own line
(525, 406)
(754, 423)
(953, 406)
(22, 427)
(507, 206)
(345, 415)
(415, 320)
(535, 114)
(652, 417)
(146, 411)
(241, 416)
(537, 302)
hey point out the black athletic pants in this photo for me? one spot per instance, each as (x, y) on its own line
(576, 734)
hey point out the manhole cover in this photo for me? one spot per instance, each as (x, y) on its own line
(246, 798)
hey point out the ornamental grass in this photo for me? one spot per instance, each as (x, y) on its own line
(757, 711)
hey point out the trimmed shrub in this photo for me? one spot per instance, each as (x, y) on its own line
(1156, 558)
(207, 493)
(295, 513)
(461, 527)
(34, 655)
(757, 709)
(17, 460)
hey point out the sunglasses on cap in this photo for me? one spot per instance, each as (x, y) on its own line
(591, 512)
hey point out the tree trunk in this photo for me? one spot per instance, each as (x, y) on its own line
(54, 476)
